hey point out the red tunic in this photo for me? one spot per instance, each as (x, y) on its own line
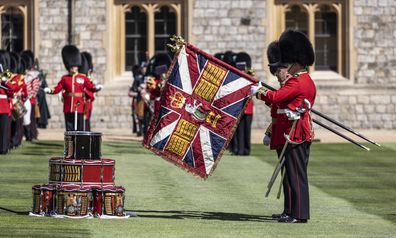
(73, 87)
(249, 107)
(6, 96)
(291, 96)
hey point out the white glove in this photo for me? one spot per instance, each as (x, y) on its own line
(255, 88)
(98, 87)
(47, 90)
(266, 140)
(3, 79)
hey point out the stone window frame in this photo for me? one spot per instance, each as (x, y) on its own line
(277, 12)
(26, 7)
(182, 8)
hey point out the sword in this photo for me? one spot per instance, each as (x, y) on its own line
(282, 158)
(332, 121)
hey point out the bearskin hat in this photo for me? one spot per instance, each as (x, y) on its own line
(158, 64)
(219, 56)
(71, 56)
(296, 48)
(229, 58)
(88, 57)
(28, 57)
(274, 57)
(5, 59)
(84, 67)
(243, 61)
(15, 62)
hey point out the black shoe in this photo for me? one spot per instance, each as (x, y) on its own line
(279, 216)
(292, 220)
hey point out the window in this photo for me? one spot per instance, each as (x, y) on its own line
(165, 27)
(324, 22)
(135, 37)
(12, 30)
(145, 27)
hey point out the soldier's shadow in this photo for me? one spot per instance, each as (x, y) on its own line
(223, 216)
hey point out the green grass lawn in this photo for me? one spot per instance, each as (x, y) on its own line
(353, 194)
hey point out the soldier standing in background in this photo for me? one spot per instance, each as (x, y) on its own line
(243, 132)
(73, 86)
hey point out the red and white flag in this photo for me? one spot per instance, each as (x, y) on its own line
(200, 106)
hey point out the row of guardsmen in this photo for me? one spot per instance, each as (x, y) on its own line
(240, 142)
(23, 106)
(145, 91)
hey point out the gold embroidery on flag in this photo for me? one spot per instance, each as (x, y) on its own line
(210, 81)
(182, 137)
(177, 100)
(212, 118)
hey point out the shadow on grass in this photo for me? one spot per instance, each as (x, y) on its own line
(15, 212)
(222, 216)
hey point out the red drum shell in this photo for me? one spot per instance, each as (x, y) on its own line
(74, 200)
(86, 172)
(113, 200)
(43, 199)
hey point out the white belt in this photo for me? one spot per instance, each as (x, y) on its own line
(282, 111)
(292, 115)
(2, 96)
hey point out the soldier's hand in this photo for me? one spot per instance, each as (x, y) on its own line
(266, 140)
(98, 87)
(47, 90)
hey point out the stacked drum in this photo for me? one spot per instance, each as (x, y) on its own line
(81, 183)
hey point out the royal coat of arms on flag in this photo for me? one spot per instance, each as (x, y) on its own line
(199, 109)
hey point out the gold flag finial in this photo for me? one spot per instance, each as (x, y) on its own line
(178, 43)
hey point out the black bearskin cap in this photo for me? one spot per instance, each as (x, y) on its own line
(274, 57)
(84, 67)
(219, 56)
(296, 48)
(5, 59)
(88, 57)
(71, 56)
(243, 61)
(28, 57)
(229, 58)
(15, 62)
(158, 64)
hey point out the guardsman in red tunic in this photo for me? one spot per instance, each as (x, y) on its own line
(6, 93)
(73, 86)
(86, 68)
(20, 97)
(243, 131)
(296, 55)
(157, 67)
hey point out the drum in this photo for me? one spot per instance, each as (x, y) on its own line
(109, 200)
(73, 200)
(19, 109)
(82, 145)
(86, 172)
(43, 203)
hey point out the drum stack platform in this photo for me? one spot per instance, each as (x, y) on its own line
(81, 183)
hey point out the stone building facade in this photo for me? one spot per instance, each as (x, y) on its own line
(360, 92)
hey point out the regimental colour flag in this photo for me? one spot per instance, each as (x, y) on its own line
(200, 106)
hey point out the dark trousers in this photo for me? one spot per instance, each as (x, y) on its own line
(87, 124)
(4, 133)
(286, 189)
(244, 135)
(69, 121)
(296, 176)
(16, 133)
(240, 142)
(33, 125)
